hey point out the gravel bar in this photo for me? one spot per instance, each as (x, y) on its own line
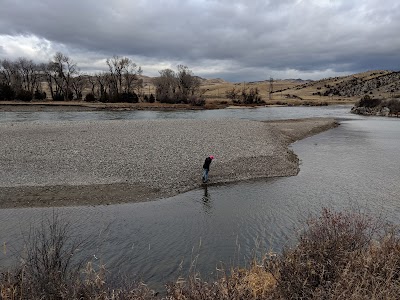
(104, 162)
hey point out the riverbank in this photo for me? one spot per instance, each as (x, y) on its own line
(39, 106)
(368, 106)
(374, 111)
(18, 106)
(107, 162)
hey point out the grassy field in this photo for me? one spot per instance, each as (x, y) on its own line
(306, 92)
(334, 90)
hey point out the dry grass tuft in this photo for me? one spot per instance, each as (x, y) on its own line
(50, 269)
(340, 255)
(252, 283)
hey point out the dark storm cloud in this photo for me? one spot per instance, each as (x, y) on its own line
(234, 39)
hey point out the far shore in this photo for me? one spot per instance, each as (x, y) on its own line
(109, 162)
(15, 106)
(85, 106)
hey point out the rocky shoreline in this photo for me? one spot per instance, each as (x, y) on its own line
(106, 162)
(368, 106)
(373, 111)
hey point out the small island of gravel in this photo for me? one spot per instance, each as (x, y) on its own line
(116, 161)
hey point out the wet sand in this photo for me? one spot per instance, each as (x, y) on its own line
(107, 162)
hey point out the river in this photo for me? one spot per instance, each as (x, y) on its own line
(262, 113)
(354, 166)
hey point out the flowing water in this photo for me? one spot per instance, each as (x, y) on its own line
(354, 166)
(262, 113)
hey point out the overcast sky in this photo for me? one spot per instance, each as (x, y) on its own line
(237, 40)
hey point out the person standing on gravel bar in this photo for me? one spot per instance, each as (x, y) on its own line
(206, 168)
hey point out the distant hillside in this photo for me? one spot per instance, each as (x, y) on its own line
(205, 81)
(282, 81)
(349, 89)
(376, 84)
(146, 79)
(358, 86)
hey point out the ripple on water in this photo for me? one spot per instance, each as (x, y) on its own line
(352, 166)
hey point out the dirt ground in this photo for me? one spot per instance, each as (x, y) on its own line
(75, 195)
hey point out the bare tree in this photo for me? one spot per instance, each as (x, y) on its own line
(29, 74)
(66, 69)
(78, 84)
(115, 66)
(103, 84)
(24, 78)
(92, 82)
(130, 76)
(188, 84)
(176, 87)
(50, 73)
(7, 80)
(123, 76)
(7, 71)
(166, 85)
(139, 85)
(10, 74)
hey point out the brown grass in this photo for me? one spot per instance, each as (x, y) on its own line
(339, 255)
(214, 91)
(252, 283)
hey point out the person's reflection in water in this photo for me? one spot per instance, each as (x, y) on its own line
(206, 201)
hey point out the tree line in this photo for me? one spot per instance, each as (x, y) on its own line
(25, 80)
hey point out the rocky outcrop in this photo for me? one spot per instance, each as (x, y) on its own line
(379, 83)
(370, 111)
(377, 107)
(388, 83)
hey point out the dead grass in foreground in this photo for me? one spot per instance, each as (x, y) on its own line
(339, 255)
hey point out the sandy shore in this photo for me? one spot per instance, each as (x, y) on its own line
(105, 162)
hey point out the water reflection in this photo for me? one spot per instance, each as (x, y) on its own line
(206, 200)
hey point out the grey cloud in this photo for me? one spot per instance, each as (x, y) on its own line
(256, 37)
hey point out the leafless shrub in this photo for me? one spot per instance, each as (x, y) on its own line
(375, 274)
(232, 94)
(48, 264)
(332, 259)
(49, 269)
(340, 255)
(197, 101)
